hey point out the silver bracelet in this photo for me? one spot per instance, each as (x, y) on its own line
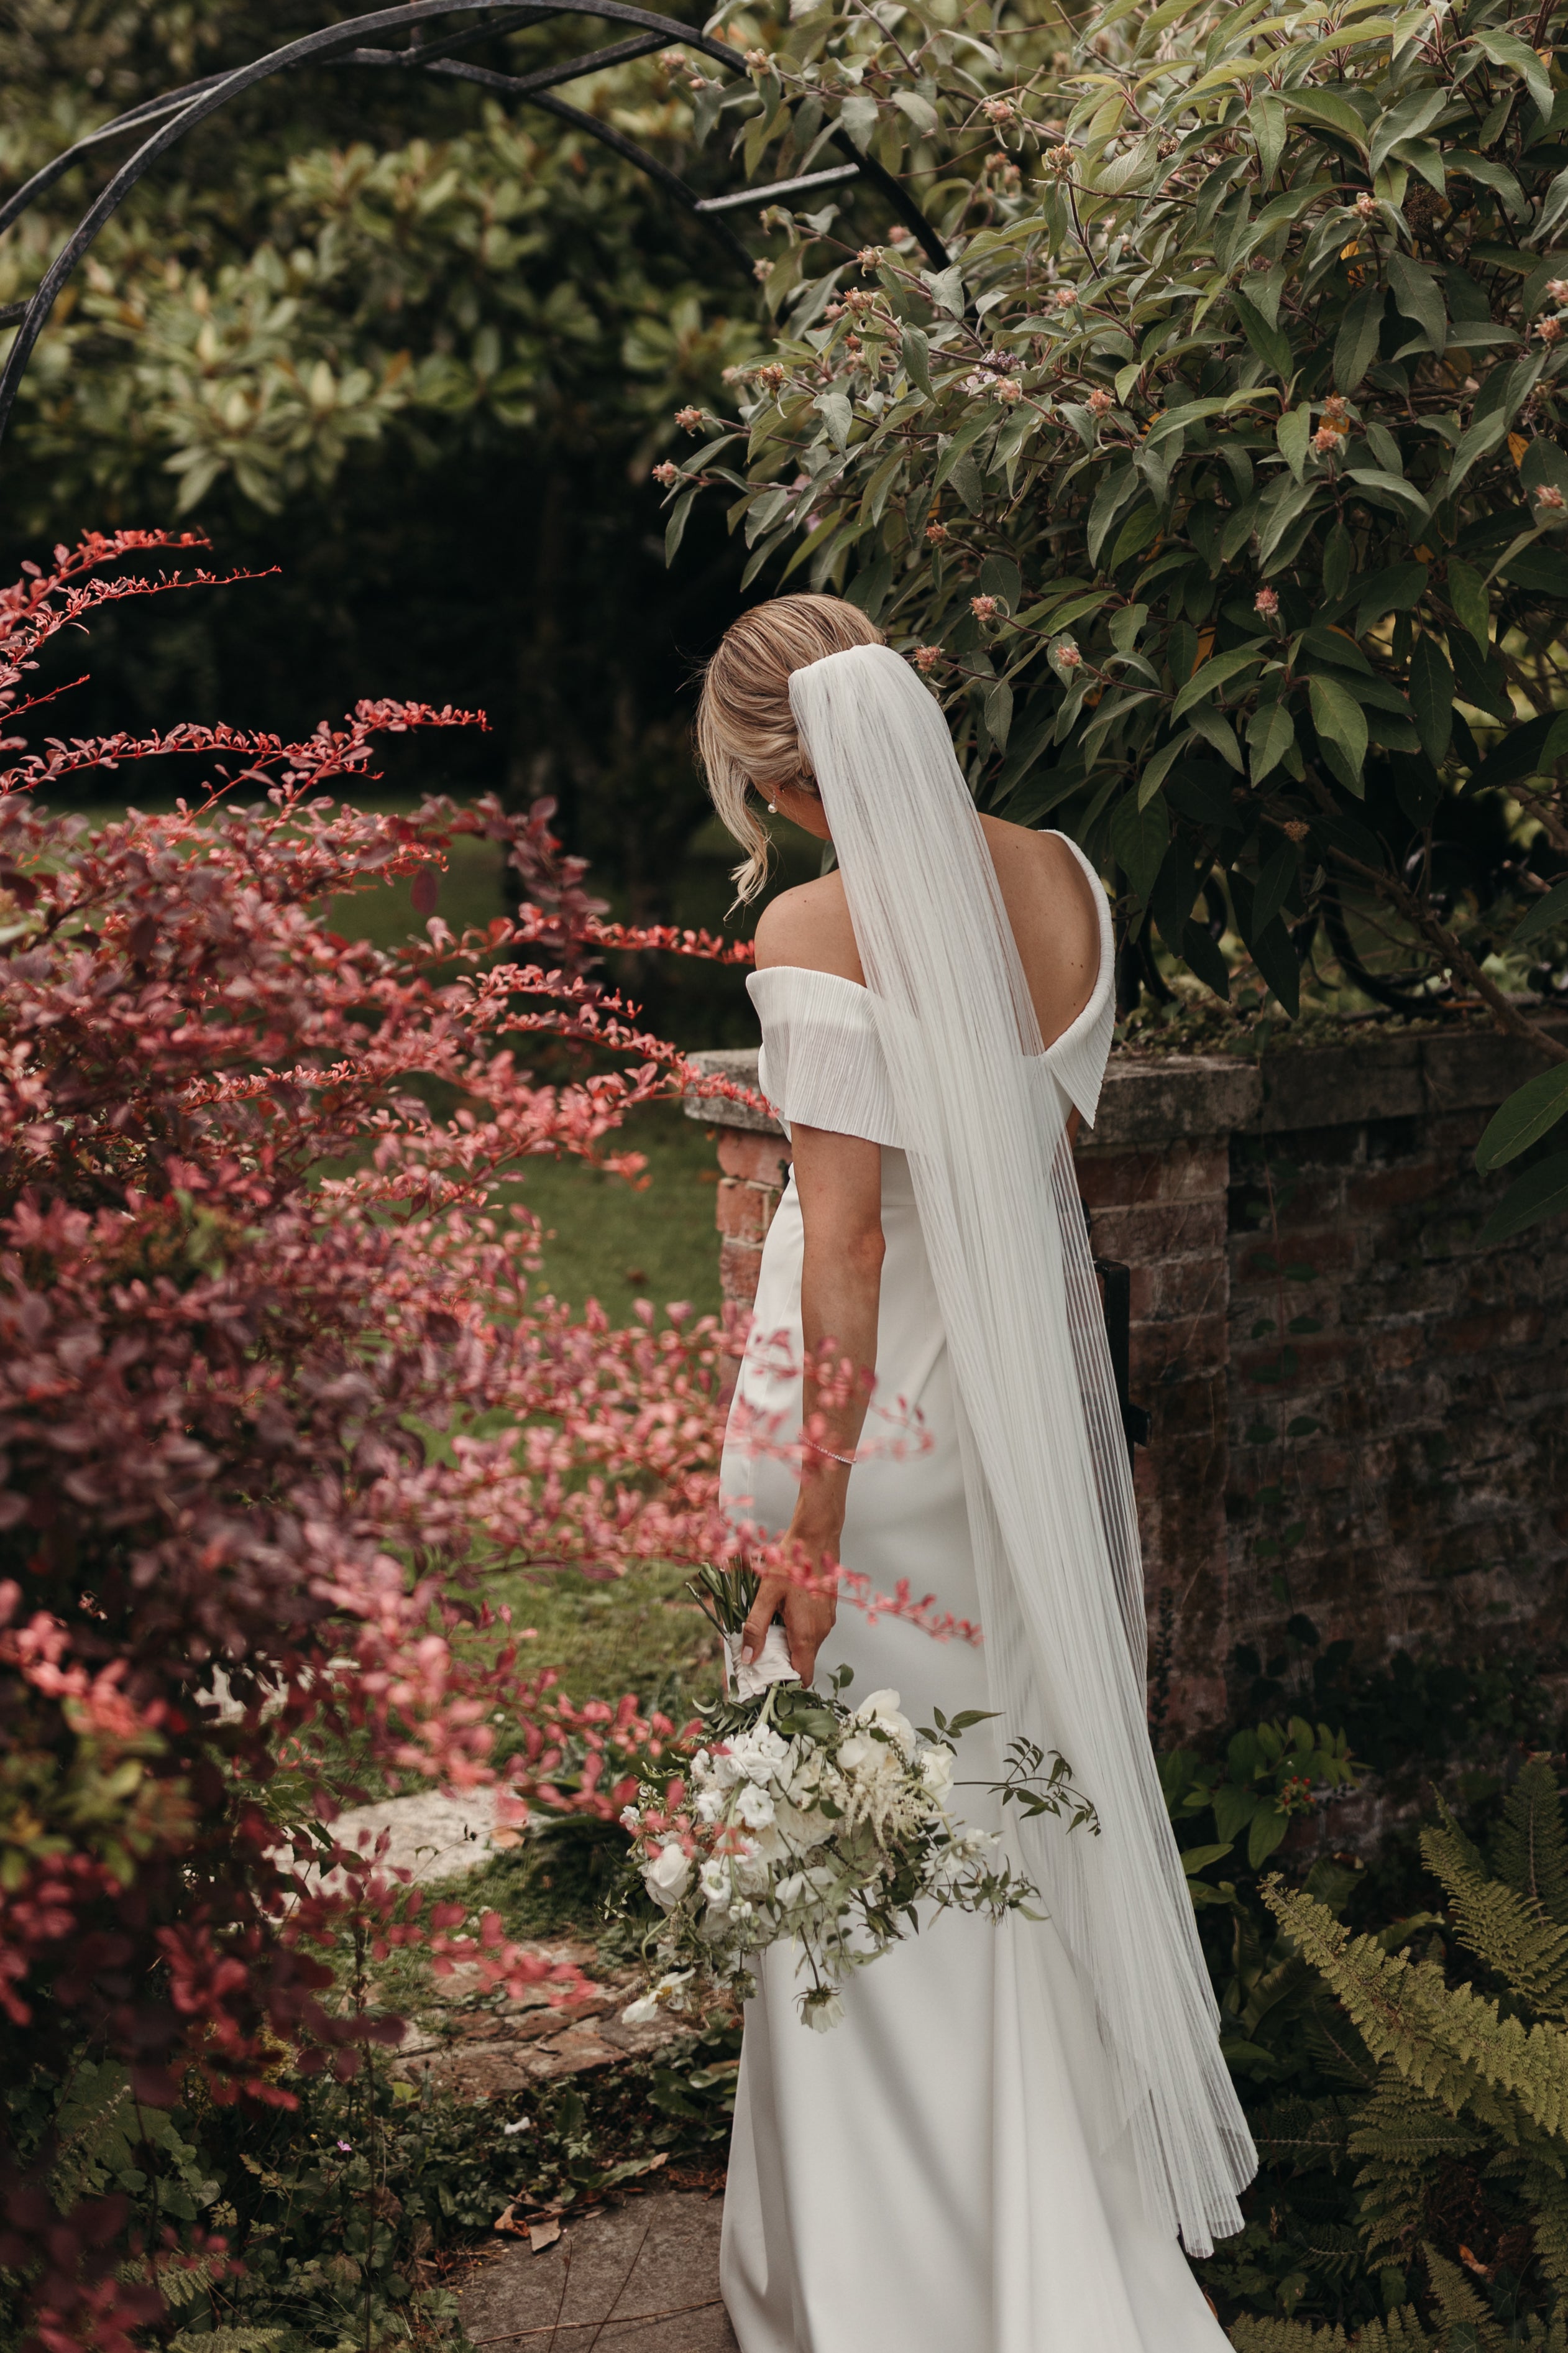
(847, 1460)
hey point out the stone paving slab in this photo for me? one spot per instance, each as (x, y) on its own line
(642, 2277)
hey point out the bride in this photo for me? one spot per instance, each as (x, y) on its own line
(996, 2148)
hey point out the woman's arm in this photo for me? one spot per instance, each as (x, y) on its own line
(839, 1181)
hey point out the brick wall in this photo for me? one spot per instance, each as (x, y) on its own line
(1398, 1478)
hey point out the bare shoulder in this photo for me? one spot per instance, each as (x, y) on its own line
(1052, 906)
(810, 926)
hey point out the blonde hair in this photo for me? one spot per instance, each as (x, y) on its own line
(746, 730)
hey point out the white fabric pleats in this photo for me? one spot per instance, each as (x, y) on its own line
(1045, 1473)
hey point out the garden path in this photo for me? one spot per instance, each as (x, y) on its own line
(484, 2051)
(641, 2277)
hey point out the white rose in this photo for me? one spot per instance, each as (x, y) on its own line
(936, 1770)
(755, 1808)
(860, 1754)
(668, 1876)
(882, 1708)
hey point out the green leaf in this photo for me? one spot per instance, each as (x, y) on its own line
(1139, 840)
(1540, 1193)
(1393, 491)
(1493, 175)
(1267, 1831)
(1274, 884)
(1154, 771)
(1518, 753)
(917, 359)
(999, 712)
(1554, 209)
(675, 528)
(1432, 697)
(1217, 731)
(859, 117)
(1270, 733)
(836, 413)
(1292, 433)
(1338, 719)
(1468, 596)
(1339, 554)
(1393, 590)
(1140, 529)
(1547, 915)
(1336, 114)
(1507, 50)
(1272, 345)
(1214, 673)
(1269, 947)
(1417, 296)
(919, 111)
(1355, 345)
(1481, 682)
(1201, 954)
(1000, 576)
(1406, 120)
(1530, 1113)
(1269, 124)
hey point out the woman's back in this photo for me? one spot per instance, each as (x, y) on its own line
(1049, 902)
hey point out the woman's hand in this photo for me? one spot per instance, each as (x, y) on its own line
(808, 1620)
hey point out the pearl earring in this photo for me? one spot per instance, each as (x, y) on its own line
(772, 809)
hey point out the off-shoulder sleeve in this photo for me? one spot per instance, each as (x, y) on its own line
(1077, 1059)
(821, 1061)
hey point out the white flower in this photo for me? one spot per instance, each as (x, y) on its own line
(715, 1881)
(862, 1755)
(669, 1876)
(821, 2015)
(755, 1808)
(710, 1805)
(630, 1817)
(668, 1994)
(883, 1708)
(756, 1756)
(936, 1770)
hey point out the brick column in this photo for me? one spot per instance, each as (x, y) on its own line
(1156, 1175)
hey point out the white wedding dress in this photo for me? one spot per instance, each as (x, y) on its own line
(944, 2171)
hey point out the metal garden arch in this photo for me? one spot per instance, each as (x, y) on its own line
(168, 117)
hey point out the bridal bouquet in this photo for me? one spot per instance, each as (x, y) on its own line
(802, 1817)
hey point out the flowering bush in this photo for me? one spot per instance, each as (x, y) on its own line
(1218, 481)
(275, 1396)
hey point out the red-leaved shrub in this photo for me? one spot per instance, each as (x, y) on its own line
(275, 1396)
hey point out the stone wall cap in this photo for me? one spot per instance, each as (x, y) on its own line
(1149, 1099)
(739, 1065)
(1152, 1099)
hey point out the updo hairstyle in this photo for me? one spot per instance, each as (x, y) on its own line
(745, 731)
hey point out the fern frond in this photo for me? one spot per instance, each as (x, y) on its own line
(1401, 2332)
(1465, 2317)
(226, 2340)
(1252, 2334)
(1450, 2040)
(1545, 2194)
(1308, 2136)
(1510, 1932)
(1531, 1848)
(1403, 2134)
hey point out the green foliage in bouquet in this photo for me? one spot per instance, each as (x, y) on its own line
(1218, 482)
(1459, 2136)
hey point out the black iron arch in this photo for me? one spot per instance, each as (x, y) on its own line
(168, 117)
